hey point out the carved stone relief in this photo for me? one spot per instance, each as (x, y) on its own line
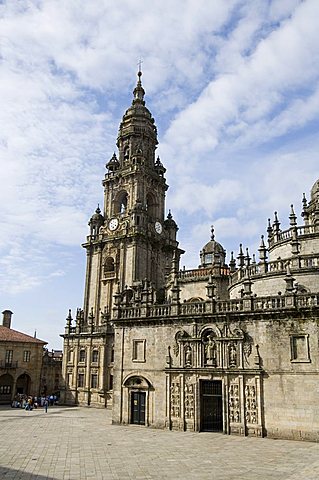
(234, 403)
(189, 400)
(251, 412)
(175, 399)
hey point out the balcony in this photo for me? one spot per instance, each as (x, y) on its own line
(7, 365)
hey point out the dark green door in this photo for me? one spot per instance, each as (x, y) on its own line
(211, 406)
(138, 408)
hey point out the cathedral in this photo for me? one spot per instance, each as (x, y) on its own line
(230, 348)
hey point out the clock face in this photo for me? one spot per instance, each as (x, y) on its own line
(158, 227)
(113, 224)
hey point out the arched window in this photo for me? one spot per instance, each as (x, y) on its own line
(109, 265)
(70, 356)
(82, 356)
(151, 205)
(120, 204)
(126, 153)
(95, 356)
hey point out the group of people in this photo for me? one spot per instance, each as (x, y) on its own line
(29, 403)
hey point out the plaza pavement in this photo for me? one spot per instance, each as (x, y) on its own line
(80, 443)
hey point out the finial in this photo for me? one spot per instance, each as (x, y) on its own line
(232, 262)
(276, 223)
(304, 200)
(212, 232)
(139, 90)
(247, 258)
(98, 209)
(241, 256)
(169, 216)
(292, 216)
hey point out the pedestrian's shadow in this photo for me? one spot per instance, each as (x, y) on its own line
(13, 473)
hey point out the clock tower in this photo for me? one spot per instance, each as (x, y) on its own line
(131, 242)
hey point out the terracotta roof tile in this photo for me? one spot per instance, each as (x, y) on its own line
(10, 335)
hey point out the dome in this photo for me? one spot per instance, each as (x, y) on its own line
(97, 218)
(138, 119)
(315, 191)
(170, 222)
(113, 164)
(213, 253)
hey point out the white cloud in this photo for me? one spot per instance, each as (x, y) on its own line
(259, 85)
(220, 77)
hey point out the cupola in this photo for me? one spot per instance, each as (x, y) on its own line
(213, 253)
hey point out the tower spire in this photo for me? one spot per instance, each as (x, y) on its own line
(139, 91)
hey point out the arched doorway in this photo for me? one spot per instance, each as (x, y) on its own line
(23, 384)
(6, 386)
(138, 390)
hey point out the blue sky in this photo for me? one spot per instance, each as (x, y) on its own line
(234, 89)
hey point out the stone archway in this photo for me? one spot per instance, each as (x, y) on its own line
(23, 384)
(6, 388)
(138, 389)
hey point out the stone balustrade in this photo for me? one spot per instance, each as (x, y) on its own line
(245, 304)
(202, 272)
(287, 235)
(275, 266)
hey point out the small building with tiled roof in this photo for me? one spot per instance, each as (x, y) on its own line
(20, 362)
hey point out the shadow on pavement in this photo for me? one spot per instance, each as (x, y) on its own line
(18, 474)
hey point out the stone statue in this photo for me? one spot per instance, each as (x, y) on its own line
(210, 352)
(232, 355)
(188, 356)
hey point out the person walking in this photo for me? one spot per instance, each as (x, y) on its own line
(45, 404)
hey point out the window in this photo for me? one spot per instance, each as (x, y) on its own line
(112, 355)
(94, 381)
(81, 380)
(109, 265)
(5, 389)
(95, 356)
(70, 356)
(123, 204)
(138, 351)
(299, 345)
(69, 379)
(9, 356)
(26, 356)
(82, 356)
(208, 258)
(151, 205)
(111, 382)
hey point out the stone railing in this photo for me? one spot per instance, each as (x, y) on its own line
(130, 312)
(284, 235)
(100, 329)
(202, 272)
(197, 309)
(159, 310)
(275, 266)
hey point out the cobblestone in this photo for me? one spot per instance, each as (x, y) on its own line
(80, 443)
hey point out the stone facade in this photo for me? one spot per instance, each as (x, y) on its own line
(20, 362)
(230, 348)
(51, 373)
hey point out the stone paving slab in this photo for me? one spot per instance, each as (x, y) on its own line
(80, 443)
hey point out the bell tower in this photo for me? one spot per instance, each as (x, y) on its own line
(131, 242)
